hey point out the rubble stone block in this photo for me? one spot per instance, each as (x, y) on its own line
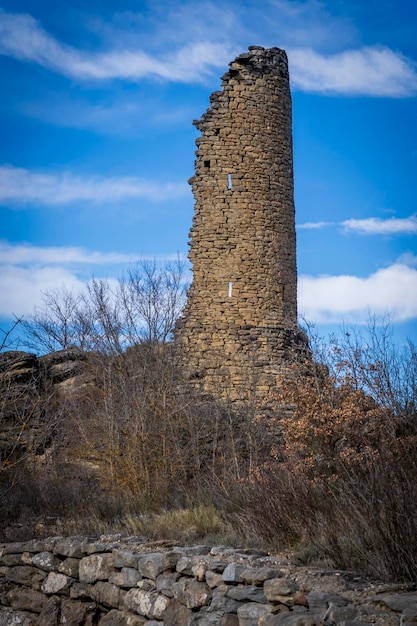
(96, 567)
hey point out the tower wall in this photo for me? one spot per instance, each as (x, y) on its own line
(240, 319)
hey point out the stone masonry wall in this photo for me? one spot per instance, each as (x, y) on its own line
(241, 312)
(78, 581)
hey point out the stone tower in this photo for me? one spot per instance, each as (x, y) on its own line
(239, 326)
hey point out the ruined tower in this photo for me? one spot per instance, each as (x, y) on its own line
(239, 326)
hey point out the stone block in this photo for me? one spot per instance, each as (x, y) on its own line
(113, 618)
(71, 547)
(96, 567)
(192, 593)
(150, 604)
(232, 573)
(258, 575)
(165, 582)
(107, 594)
(24, 575)
(125, 558)
(177, 614)
(57, 583)
(152, 564)
(26, 599)
(213, 579)
(247, 593)
(46, 561)
(75, 613)
(10, 560)
(250, 614)
(70, 567)
(127, 578)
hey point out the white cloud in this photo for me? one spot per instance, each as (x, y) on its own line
(23, 38)
(329, 299)
(212, 43)
(26, 272)
(368, 71)
(370, 225)
(21, 186)
(378, 226)
(26, 254)
(23, 254)
(314, 225)
(22, 287)
(408, 258)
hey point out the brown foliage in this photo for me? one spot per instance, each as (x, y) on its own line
(343, 475)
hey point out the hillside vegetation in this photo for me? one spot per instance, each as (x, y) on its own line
(330, 471)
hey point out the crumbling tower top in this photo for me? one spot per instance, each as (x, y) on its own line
(242, 303)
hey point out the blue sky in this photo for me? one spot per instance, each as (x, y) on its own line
(97, 141)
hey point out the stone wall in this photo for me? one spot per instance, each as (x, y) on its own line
(241, 314)
(77, 581)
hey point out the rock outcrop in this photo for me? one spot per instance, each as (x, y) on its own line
(28, 385)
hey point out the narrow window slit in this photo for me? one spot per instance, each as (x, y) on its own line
(229, 181)
(207, 164)
(230, 288)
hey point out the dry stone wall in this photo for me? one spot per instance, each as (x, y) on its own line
(241, 312)
(78, 581)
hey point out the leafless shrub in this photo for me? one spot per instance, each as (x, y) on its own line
(151, 439)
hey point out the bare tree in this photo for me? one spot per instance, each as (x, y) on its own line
(56, 325)
(152, 300)
(111, 315)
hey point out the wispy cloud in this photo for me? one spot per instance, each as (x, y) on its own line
(378, 226)
(22, 187)
(329, 299)
(368, 71)
(408, 258)
(23, 254)
(23, 38)
(315, 225)
(370, 226)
